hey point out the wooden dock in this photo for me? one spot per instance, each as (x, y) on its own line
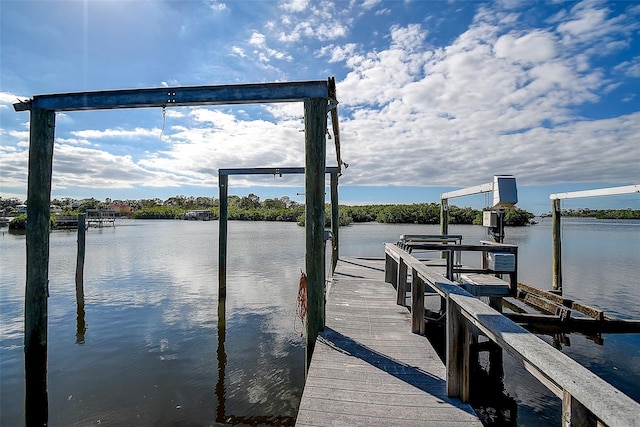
(367, 367)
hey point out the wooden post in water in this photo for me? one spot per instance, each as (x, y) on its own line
(444, 217)
(81, 326)
(41, 138)
(335, 221)
(556, 242)
(315, 128)
(80, 257)
(223, 185)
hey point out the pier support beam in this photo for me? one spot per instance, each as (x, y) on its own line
(444, 217)
(315, 113)
(223, 193)
(556, 241)
(37, 286)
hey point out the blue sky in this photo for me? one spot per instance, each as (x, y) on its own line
(434, 95)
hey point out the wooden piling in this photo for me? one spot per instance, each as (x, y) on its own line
(444, 217)
(80, 322)
(223, 185)
(335, 221)
(556, 241)
(80, 256)
(315, 126)
(37, 284)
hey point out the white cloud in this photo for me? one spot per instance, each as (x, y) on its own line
(501, 96)
(117, 133)
(265, 54)
(238, 51)
(370, 4)
(589, 25)
(531, 48)
(294, 5)
(629, 68)
(481, 105)
(257, 39)
(217, 6)
(324, 21)
(337, 53)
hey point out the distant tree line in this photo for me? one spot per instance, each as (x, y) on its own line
(251, 208)
(602, 213)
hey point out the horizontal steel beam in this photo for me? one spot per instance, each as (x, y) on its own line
(477, 189)
(179, 96)
(270, 171)
(610, 191)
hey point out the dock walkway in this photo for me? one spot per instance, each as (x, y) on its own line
(367, 367)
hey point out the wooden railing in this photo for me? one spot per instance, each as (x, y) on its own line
(586, 398)
(452, 255)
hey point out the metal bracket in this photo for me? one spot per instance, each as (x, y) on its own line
(333, 104)
(22, 105)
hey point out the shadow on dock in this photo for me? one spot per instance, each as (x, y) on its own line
(409, 374)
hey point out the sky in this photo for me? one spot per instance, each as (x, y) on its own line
(433, 96)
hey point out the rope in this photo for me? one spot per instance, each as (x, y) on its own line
(301, 311)
(164, 119)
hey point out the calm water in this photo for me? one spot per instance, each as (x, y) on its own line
(153, 352)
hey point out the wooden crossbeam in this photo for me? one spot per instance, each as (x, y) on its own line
(179, 96)
(271, 171)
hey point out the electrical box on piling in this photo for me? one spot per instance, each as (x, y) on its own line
(490, 218)
(505, 195)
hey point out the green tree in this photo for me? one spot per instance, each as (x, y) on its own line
(250, 201)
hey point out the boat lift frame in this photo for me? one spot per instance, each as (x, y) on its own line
(510, 199)
(319, 98)
(556, 221)
(223, 184)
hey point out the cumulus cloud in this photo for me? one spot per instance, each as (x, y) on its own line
(294, 5)
(264, 52)
(490, 102)
(117, 133)
(322, 21)
(500, 97)
(217, 6)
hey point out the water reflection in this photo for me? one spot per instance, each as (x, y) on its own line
(81, 325)
(154, 344)
(222, 357)
(220, 390)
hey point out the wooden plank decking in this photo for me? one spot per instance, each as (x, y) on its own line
(367, 367)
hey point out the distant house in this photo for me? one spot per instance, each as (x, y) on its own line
(121, 210)
(22, 209)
